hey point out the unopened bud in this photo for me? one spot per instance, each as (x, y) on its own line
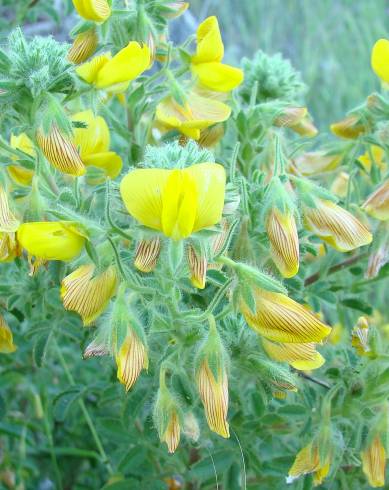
(350, 127)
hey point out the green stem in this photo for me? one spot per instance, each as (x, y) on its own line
(86, 414)
(215, 301)
(51, 448)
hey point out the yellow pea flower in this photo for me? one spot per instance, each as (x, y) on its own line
(51, 240)
(93, 144)
(206, 63)
(9, 247)
(350, 127)
(377, 204)
(303, 357)
(177, 202)
(96, 10)
(131, 359)
(19, 174)
(196, 114)
(147, 253)
(374, 462)
(172, 433)
(380, 59)
(308, 461)
(336, 226)
(214, 395)
(360, 337)
(284, 243)
(316, 162)
(60, 151)
(281, 319)
(6, 338)
(378, 154)
(88, 292)
(115, 73)
(84, 45)
(197, 264)
(305, 127)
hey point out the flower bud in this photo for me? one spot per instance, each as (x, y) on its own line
(167, 416)
(377, 204)
(8, 222)
(290, 116)
(175, 9)
(84, 45)
(335, 225)
(379, 254)
(360, 337)
(305, 127)
(6, 338)
(350, 127)
(95, 349)
(60, 151)
(212, 382)
(374, 462)
(281, 319)
(197, 263)
(316, 162)
(131, 359)
(88, 292)
(308, 461)
(340, 185)
(147, 253)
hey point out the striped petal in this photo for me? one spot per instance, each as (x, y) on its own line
(96, 10)
(6, 338)
(88, 293)
(8, 222)
(217, 76)
(9, 247)
(51, 240)
(380, 59)
(303, 357)
(377, 204)
(209, 42)
(84, 45)
(125, 66)
(281, 319)
(214, 395)
(374, 462)
(147, 253)
(131, 359)
(308, 461)
(316, 162)
(336, 226)
(172, 433)
(282, 232)
(349, 127)
(197, 267)
(20, 175)
(61, 152)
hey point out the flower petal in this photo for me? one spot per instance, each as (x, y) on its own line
(84, 45)
(377, 204)
(88, 71)
(96, 10)
(217, 76)
(374, 462)
(109, 161)
(6, 339)
(282, 231)
(125, 66)
(380, 59)
(300, 356)
(209, 42)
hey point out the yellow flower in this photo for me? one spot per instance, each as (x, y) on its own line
(336, 226)
(360, 337)
(377, 204)
(177, 202)
(308, 461)
(340, 184)
(8, 222)
(197, 267)
(61, 152)
(87, 292)
(84, 45)
(214, 395)
(349, 127)
(115, 73)
(131, 359)
(376, 155)
(305, 127)
(316, 162)
(290, 116)
(303, 357)
(93, 144)
(196, 114)
(96, 10)
(284, 244)
(336, 334)
(280, 319)
(6, 338)
(206, 63)
(147, 253)
(19, 174)
(172, 433)
(380, 59)
(373, 463)
(51, 240)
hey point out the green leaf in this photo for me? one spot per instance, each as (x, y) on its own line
(358, 304)
(63, 402)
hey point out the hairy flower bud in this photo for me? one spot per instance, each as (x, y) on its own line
(308, 461)
(131, 359)
(95, 10)
(84, 45)
(374, 462)
(197, 263)
(290, 116)
(6, 338)
(147, 253)
(350, 127)
(377, 204)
